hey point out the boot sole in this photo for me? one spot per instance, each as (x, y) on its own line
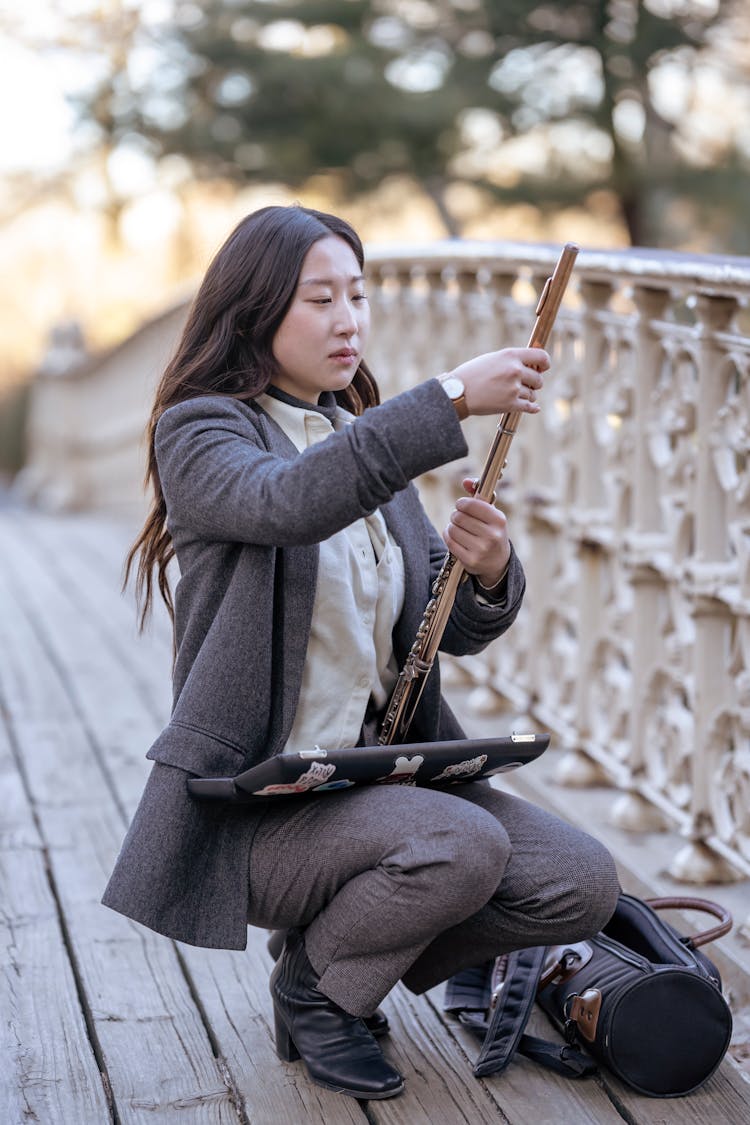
(362, 1095)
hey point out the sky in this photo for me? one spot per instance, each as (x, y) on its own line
(36, 133)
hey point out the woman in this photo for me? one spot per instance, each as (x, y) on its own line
(283, 488)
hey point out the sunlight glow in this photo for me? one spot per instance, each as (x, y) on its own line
(39, 137)
(151, 219)
(420, 71)
(629, 119)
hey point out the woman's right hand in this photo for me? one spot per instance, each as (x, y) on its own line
(504, 381)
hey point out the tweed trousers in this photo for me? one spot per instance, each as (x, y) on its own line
(397, 883)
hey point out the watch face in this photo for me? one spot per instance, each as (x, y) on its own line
(454, 387)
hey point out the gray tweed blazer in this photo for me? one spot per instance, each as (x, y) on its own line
(246, 512)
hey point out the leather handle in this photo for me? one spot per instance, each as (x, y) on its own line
(684, 902)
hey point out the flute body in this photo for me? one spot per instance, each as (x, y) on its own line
(410, 684)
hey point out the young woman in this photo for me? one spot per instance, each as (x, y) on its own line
(282, 487)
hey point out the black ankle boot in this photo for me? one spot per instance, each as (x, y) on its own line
(377, 1023)
(337, 1049)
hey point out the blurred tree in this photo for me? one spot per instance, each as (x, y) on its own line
(525, 99)
(90, 50)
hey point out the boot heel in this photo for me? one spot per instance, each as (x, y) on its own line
(285, 1048)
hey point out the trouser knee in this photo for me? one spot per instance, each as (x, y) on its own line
(595, 892)
(469, 863)
(608, 892)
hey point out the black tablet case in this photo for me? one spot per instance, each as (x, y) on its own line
(316, 771)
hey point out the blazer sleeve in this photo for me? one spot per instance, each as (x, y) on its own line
(221, 483)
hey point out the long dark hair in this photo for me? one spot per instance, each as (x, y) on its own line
(226, 349)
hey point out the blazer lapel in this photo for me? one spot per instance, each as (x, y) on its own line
(405, 521)
(294, 597)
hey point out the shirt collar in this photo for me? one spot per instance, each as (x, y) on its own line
(327, 405)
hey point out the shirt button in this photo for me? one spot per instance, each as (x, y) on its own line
(363, 681)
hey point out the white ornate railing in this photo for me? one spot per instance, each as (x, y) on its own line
(629, 497)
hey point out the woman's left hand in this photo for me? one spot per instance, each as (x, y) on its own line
(478, 536)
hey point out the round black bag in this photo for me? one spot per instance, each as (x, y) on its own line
(642, 1001)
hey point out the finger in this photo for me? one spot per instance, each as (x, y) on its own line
(489, 524)
(526, 406)
(483, 542)
(464, 537)
(480, 510)
(532, 379)
(476, 554)
(470, 535)
(465, 546)
(474, 526)
(537, 358)
(471, 484)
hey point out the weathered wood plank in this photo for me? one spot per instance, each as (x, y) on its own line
(99, 547)
(232, 987)
(132, 979)
(48, 1072)
(88, 562)
(724, 1100)
(440, 1088)
(17, 828)
(525, 1092)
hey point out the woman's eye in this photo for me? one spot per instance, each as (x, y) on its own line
(359, 297)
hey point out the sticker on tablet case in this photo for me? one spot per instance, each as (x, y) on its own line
(404, 771)
(317, 774)
(459, 771)
(505, 768)
(344, 783)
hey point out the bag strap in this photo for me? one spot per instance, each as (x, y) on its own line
(567, 1061)
(706, 906)
(500, 1015)
(509, 1010)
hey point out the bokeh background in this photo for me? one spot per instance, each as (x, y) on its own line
(133, 134)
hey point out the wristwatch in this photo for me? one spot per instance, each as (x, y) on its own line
(456, 392)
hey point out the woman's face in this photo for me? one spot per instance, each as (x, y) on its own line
(320, 341)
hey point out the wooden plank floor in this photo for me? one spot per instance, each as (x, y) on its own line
(103, 1021)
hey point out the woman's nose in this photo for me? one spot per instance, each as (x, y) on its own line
(346, 320)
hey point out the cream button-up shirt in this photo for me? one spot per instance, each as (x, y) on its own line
(358, 599)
